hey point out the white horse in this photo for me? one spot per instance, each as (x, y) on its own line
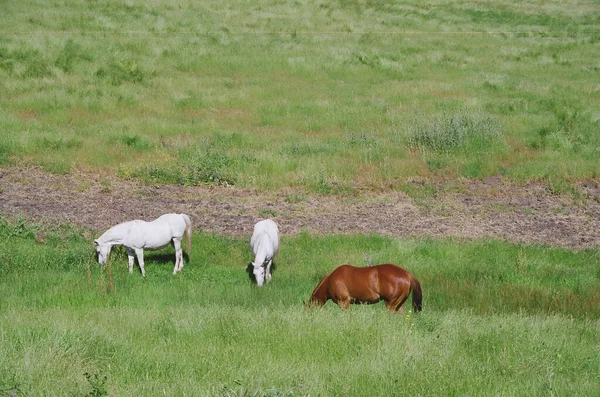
(139, 235)
(264, 244)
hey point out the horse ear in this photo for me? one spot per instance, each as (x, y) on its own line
(96, 243)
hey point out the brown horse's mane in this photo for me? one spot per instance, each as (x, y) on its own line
(317, 289)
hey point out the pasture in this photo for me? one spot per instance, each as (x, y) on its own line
(498, 319)
(327, 97)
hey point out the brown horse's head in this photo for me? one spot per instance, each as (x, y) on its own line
(312, 303)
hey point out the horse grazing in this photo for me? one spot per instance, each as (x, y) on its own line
(348, 284)
(264, 244)
(139, 235)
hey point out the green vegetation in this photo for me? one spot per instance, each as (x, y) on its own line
(455, 133)
(327, 97)
(497, 319)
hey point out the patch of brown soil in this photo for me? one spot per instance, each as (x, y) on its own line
(472, 209)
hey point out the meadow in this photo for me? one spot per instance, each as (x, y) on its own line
(327, 97)
(498, 319)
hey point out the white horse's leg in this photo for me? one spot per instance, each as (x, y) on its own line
(139, 252)
(131, 257)
(178, 256)
(268, 276)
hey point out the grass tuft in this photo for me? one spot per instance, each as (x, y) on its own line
(198, 167)
(452, 133)
(136, 142)
(5, 153)
(122, 70)
(70, 55)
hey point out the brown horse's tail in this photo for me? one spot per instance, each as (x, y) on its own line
(417, 294)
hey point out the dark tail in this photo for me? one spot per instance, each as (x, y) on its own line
(417, 294)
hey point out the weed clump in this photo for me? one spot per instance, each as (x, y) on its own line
(451, 133)
(98, 384)
(206, 167)
(123, 70)
(70, 54)
(5, 153)
(23, 62)
(136, 142)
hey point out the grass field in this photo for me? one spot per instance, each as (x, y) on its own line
(328, 97)
(498, 319)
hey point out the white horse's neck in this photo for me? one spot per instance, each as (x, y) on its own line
(115, 234)
(262, 247)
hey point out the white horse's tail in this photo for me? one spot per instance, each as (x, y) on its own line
(188, 233)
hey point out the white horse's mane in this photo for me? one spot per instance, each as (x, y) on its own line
(115, 232)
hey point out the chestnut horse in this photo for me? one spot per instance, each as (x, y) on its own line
(348, 284)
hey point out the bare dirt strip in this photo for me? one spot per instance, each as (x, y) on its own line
(470, 209)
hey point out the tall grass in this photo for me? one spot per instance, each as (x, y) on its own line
(497, 319)
(293, 85)
(456, 132)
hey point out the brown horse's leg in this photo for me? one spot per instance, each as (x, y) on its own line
(343, 303)
(397, 304)
(400, 306)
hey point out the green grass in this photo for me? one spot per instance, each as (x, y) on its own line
(497, 319)
(321, 97)
(324, 97)
(456, 132)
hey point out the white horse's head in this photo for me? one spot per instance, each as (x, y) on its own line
(259, 274)
(103, 250)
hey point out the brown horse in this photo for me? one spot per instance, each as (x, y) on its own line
(348, 284)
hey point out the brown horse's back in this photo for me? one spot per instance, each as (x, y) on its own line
(358, 284)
